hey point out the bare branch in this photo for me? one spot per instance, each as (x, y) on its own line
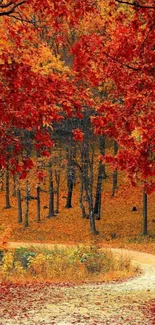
(135, 4)
(12, 9)
(121, 63)
(6, 5)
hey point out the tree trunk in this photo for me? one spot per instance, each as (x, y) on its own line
(90, 207)
(51, 192)
(57, 178)
(19, 205)
(69, 195)
(7, 184)
(2, 180)
(84, 215)
(71, 154)
(92, 216)
(38, 204)
(92, 223)
(101, 175)
(145, 213)
(97, 207)
(87, 179)
(27, 198)
(115, 173)
(14, 186)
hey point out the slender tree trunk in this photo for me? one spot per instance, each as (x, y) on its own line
(27, 198)
(2, 180)
(90, 204)
(84, 215)
(57, 178)
(92, 223)
(70, 177)
(19, 205)
(115, 173)
(97, 207)
(38, 203)
(88, 181)
(85, 184)
(101, 175)
(145, 213)
(69, 195)
(14, 186)
(51, 192)
(7, 184)
(91, 213)
(57, 199)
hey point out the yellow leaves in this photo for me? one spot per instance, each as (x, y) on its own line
(5, 45)
(24, 45)
(76, 264)
(18, 269)
(136, 134)
(5, 237)
(7, 261)
(45, 61)
(37, 264)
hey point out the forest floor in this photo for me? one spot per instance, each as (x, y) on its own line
(119, 226)
(131, 302)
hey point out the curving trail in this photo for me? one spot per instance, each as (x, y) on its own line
(113, 303)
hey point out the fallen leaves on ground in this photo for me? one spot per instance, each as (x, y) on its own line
(119, 225)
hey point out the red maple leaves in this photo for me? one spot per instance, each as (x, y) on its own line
(78, 135)
(111, 62)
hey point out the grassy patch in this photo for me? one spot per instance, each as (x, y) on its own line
(78, 264)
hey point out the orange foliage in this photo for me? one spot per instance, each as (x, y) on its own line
(5, 238)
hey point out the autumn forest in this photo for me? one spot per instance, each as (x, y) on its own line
(77, 130)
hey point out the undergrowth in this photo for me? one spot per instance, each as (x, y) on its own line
(79, 264)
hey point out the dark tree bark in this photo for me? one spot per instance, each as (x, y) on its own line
(2, 180)
(14, 186)
(87, 184)
(19, 205)
(101, 175)
(91, 210)
(27, 198)
(57, 178)
(84, 215)
(7, 184)
(51, 192)
(69, 195)
(145, 213)
(115, 173)
(38, 203)
(71, 154)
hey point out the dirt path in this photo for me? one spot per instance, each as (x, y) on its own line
(113, 304)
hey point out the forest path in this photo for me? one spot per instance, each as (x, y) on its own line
(92, 304)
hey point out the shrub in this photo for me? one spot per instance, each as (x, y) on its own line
(1, 255)
(79, 263)
(7, 263)
(19, 270)
(37, 264)
(23, 254)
